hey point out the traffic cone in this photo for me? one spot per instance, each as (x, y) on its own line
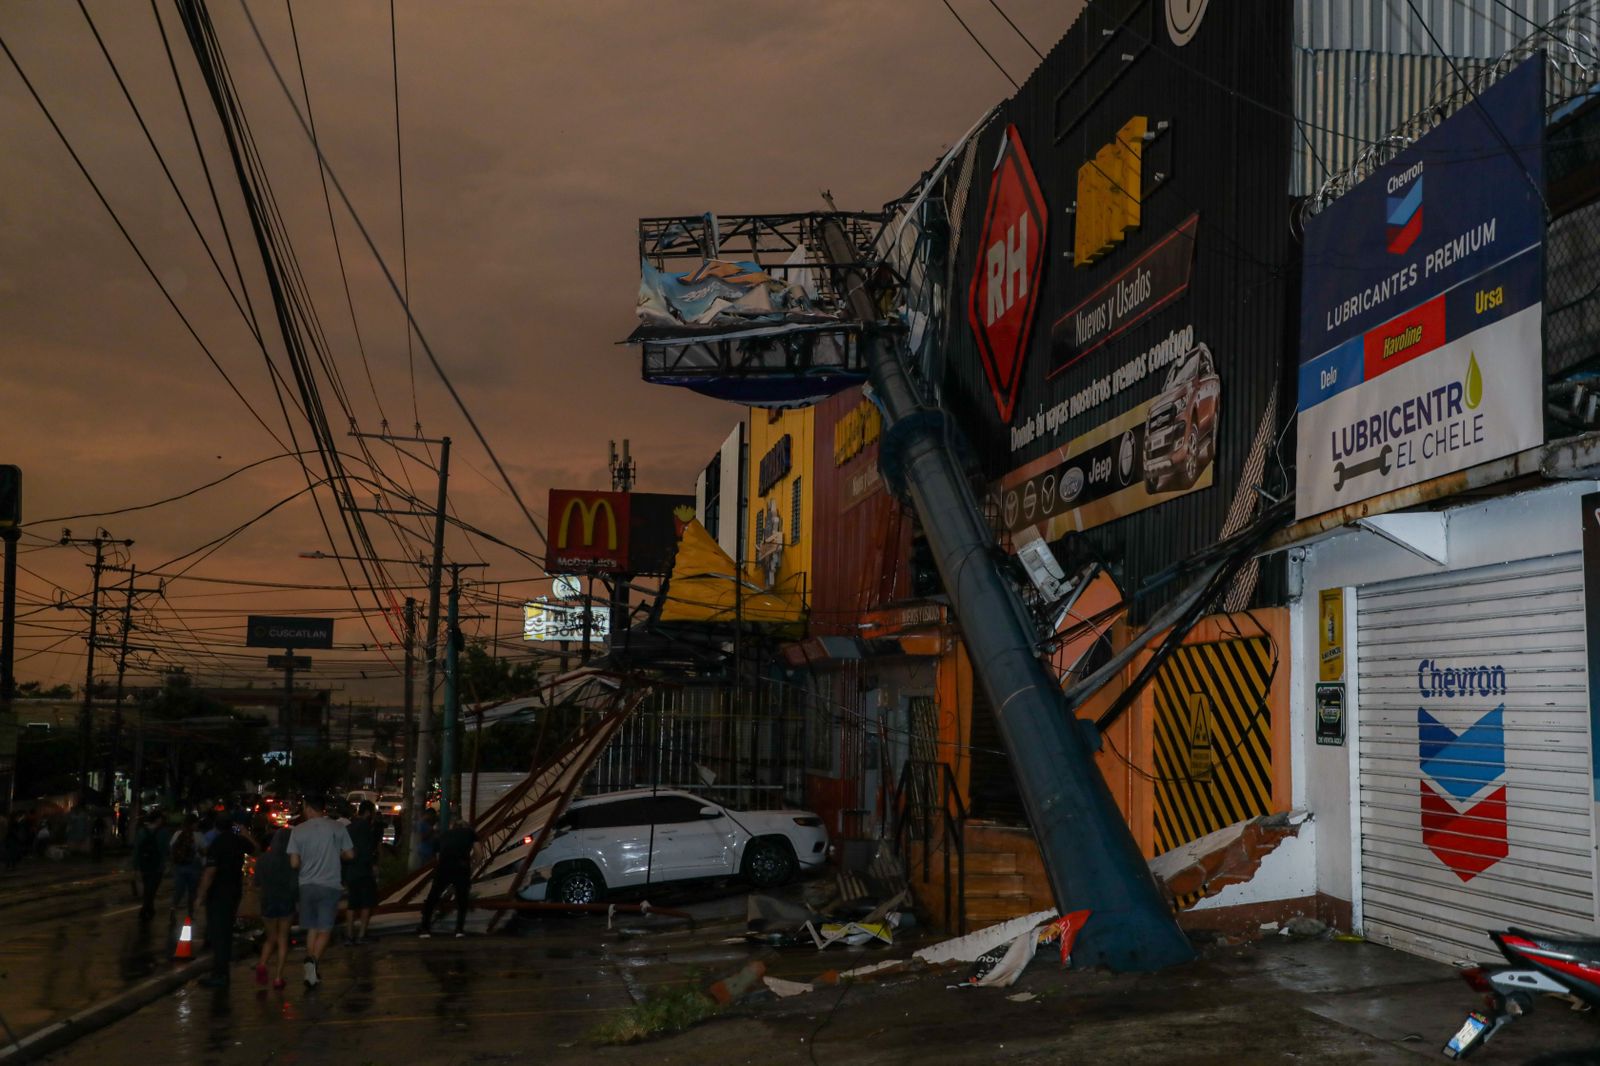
(185, 949)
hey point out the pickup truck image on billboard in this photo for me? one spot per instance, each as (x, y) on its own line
(1180, 430)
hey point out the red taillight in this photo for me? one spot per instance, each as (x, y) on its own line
(528, 840)
(1478, 978)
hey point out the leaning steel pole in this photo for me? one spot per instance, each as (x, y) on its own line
(1089, 854)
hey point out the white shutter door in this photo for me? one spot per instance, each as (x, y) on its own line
(1475, 785)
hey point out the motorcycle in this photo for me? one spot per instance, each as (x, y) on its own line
(1540, 964)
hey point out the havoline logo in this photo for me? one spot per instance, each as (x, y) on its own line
(1403, 207)
(588, 532)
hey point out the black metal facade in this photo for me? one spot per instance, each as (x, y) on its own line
(1224, 153)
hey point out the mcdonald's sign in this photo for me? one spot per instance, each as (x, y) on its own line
(588, 532)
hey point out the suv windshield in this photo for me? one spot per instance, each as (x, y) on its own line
(1182, 372)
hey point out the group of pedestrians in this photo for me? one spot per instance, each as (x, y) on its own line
(302, 870)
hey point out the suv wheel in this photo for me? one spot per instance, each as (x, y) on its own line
(577, 884)
(1191, 458)
(768, 863)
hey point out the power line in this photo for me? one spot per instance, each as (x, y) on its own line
(980, 44)
(389, 276)
(996, 5)
(1473, 93)
(400, 174)
(134, 245)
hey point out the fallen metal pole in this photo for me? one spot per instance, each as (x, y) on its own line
(1089, 854)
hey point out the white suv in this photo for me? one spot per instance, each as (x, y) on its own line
(644, 836)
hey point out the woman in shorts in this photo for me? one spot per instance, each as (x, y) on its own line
(278, 884)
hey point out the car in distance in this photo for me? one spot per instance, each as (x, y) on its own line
(628, 839)
(1180, 428)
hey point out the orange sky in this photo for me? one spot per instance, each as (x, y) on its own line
(535, 135)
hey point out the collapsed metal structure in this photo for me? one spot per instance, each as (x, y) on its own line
(1091, 857)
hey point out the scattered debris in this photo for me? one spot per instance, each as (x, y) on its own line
(854, 933)
(785, 989)
(1269, 927)
(737, 986)
(1305, 927)
(1000, 969)
(1023, 997)
(1064, 931)
(968, 948)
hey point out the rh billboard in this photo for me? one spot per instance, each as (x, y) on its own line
(1420, 343)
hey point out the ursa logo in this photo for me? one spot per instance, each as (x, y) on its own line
(1403, 207)
(1463, 789)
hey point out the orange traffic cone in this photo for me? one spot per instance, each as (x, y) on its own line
(185, 949)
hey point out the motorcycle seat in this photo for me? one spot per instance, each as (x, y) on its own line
(1583, 949)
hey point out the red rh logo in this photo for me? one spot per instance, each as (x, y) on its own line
(1004, 291)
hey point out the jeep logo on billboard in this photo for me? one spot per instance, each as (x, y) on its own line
(1004, 291)
(588, 532)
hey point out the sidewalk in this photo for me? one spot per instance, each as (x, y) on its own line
(504, 998)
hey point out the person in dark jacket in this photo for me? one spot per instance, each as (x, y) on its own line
(278, 883)
(454, 871)
(149, 860)
(222, 886)
(361, 873)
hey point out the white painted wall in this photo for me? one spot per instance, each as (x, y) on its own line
(1288, 871)
(1543, 521)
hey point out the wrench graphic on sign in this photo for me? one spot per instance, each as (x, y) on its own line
(1379, 462)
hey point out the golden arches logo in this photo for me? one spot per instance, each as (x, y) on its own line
(589, 512)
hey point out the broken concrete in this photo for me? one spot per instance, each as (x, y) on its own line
(1229, 856)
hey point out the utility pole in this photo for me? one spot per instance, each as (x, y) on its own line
(424, 761)
(449, 779)
(624, 472)
(123, 649)
(408, 767)
(99, 541)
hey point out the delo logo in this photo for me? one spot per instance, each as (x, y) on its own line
(1404, 208)
(1463, 790)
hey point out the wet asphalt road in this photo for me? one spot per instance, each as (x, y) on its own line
(538, 994)
(69, 937)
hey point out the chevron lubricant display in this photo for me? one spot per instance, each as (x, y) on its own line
(1423, 300)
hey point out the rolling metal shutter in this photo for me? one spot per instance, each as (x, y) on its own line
(1474, 760)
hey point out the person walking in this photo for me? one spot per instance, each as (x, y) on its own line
(427, 834)
(97, 836)
(361, 873)
(316, 847)
(454, 871)
(188, 863)
(147, 859)
(276, 883)
(222, 886)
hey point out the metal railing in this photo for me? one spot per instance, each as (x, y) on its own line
(927, 801)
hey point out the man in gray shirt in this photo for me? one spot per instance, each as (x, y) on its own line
(316, 847)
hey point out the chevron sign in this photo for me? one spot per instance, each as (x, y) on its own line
(1463, 794)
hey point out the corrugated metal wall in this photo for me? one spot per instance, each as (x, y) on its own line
(1348, 99)
(1479, 28)
(849, 553)
(1230, 162)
